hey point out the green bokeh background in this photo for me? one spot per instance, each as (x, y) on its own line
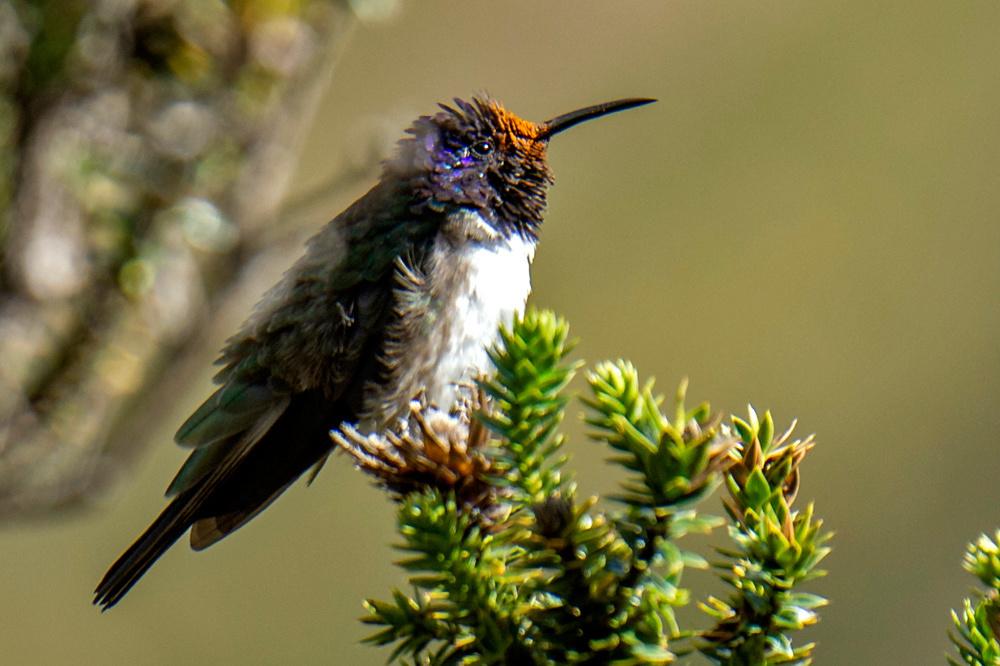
(809, 219)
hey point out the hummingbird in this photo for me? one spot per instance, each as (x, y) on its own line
(398, 296)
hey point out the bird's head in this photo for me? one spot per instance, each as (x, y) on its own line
(477, 155)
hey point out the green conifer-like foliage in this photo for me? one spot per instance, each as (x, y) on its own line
(508, 565)
(776, 549)
(977, 627)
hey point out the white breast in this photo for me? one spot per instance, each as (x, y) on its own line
(473, 281)
(497, 285)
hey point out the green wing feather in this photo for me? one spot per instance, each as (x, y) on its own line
(232, 409)
(233, 417)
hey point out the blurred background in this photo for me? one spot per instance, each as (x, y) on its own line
(808, 220)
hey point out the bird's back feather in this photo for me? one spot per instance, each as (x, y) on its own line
(294, 371)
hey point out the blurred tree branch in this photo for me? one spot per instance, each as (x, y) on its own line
(145, 149)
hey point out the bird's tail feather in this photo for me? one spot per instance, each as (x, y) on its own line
(256, 467)
(168, 527)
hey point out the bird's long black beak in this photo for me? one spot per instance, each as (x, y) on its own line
(567, 120)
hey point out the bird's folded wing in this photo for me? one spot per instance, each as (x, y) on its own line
(228, 423)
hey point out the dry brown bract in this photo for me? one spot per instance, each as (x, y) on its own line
(432, 448)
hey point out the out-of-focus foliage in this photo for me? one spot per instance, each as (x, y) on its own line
(977, 626)
(144, 146)
(549, 578)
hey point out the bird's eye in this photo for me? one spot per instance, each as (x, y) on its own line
(482, 148)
